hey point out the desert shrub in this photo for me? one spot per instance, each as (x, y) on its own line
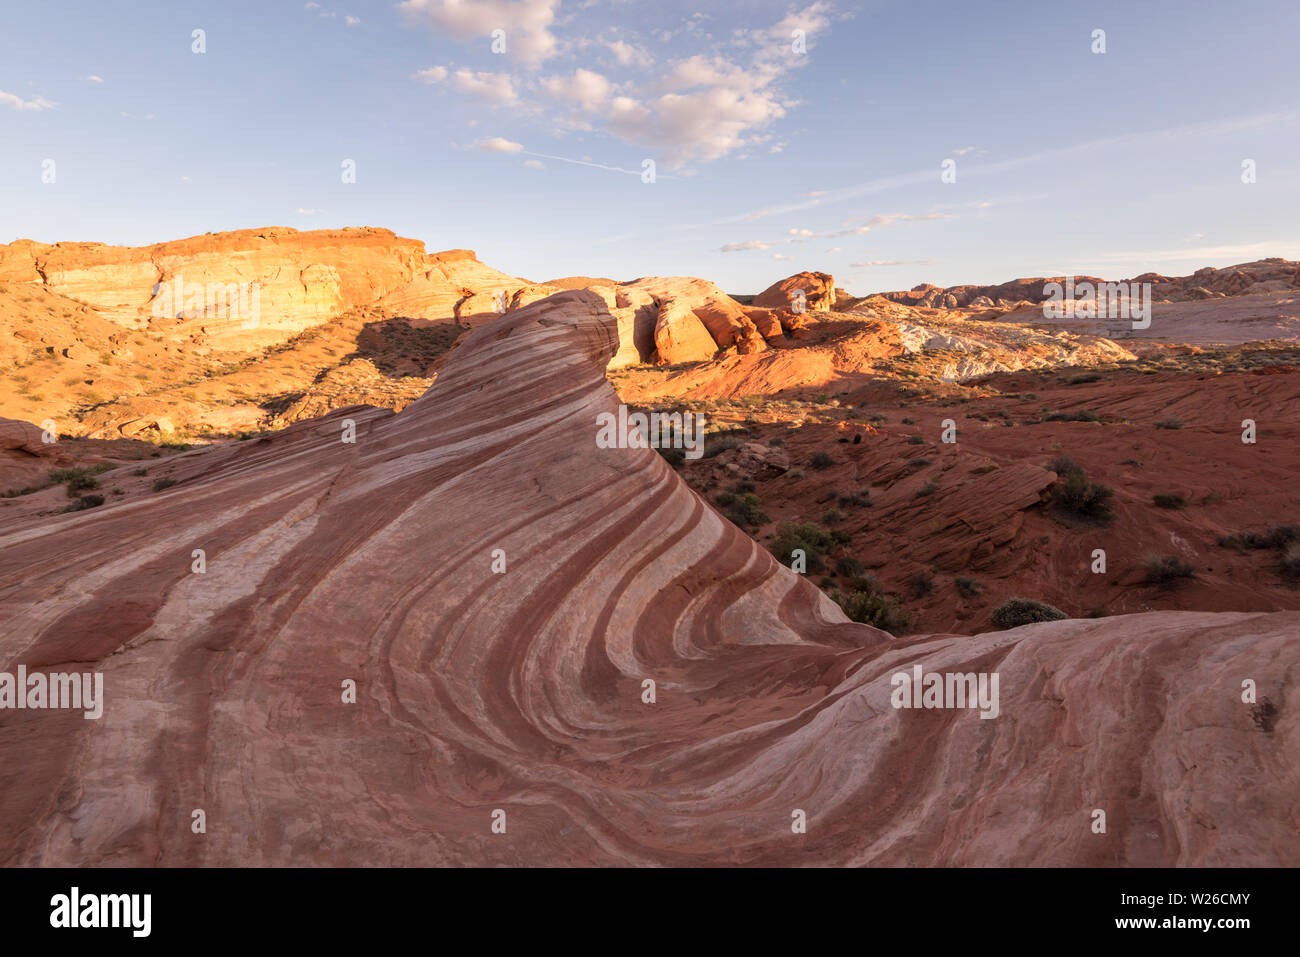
(676, 458)
(872, 608)
(1167, 570)
(812, 538)
(1169, 424)
(1291, 560)
(841, 536)
(1024, 611)
(86, 501)
(747, 510)
(922, 584)
(720, 442)
(1083, 415)
(1064, 466)
(1081, 379)
(1276, 536)
(831, 516)
(821, 460)
(1081, 499)
(162, 483)
(856, 499)
(1168, 500)
(795, 474)
(929, 488)
(725, 498)
(27, 490)
(968, 587)
(78, 478)
(915, 440)
(849, 566)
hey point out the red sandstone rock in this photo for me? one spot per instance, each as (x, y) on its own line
(522, 691)
(817, 289)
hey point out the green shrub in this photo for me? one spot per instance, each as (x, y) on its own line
(870, 608)
(812, 538)
(968, 587)
(1167, 570)
(821, 460)
(1276, 536)
(849, 566)
(1064, 466)
(1081, 499)
(1024, 611)
(747, 511)
(1291, 560)
(1083, 415)
(162, 483)
(1169, 500)
(86, 501)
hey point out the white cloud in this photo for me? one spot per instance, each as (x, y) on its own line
(585, 87)
(699, 107)
(527, 23)
(881, 221)
(496, 89)
(894, 262)
(629, 55)
(309, 212)
(95, 79)
(1238, 253)
(798, 235)
(780, 256)
(534, 164)
(499, 144)
(964, 150)
(352, 21)
(35, 104)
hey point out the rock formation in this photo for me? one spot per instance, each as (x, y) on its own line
(500, 590)
(817, 290)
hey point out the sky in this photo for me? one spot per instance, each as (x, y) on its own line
(783, 136)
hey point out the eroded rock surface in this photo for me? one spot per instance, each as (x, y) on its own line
(522, 691)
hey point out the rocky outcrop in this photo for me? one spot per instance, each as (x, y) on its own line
(258, 286)
(1263, 276)
(814, 290)
(503, 595)
(693, 320)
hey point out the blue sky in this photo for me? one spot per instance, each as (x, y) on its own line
(768, 161)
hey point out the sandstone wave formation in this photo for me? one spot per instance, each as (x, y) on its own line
(500, 590)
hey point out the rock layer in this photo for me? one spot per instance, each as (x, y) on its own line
(520, 688)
